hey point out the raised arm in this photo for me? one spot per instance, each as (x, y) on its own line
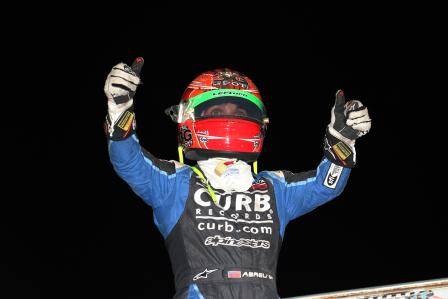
(299, 193)
(150, 178)
(161, 184)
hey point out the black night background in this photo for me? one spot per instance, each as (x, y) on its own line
(72, 227)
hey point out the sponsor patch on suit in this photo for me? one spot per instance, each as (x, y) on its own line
(333, 175)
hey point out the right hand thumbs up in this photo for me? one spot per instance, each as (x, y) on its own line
(122, 82)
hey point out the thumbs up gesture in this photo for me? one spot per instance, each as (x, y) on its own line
(122, 81)
(349, 120)
(121, 85)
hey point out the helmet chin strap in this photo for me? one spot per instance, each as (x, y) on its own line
(255, 167)
(181, 154)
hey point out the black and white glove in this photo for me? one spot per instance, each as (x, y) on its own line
(349, 121)
(120, 87)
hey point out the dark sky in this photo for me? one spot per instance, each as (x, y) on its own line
(74, 229)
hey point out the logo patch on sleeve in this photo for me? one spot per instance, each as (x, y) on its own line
(342, 150)
(333, 175)
(125, 121)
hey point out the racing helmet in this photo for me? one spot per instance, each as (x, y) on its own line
(221, 114)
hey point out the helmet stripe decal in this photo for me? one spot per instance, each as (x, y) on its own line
(218, 93)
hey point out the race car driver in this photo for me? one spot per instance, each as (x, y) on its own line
(223, 223)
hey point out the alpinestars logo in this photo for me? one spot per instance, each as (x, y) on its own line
(229, 241)
(203, 274)
(333, 175)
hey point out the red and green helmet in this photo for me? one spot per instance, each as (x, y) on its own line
(221, 114)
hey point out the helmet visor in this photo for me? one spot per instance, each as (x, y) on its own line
(225, 103)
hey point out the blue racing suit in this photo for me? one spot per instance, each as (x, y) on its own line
(229, 249)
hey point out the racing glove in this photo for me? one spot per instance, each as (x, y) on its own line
(349, 121)
(120, 87)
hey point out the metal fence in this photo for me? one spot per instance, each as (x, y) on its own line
(429, 289)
